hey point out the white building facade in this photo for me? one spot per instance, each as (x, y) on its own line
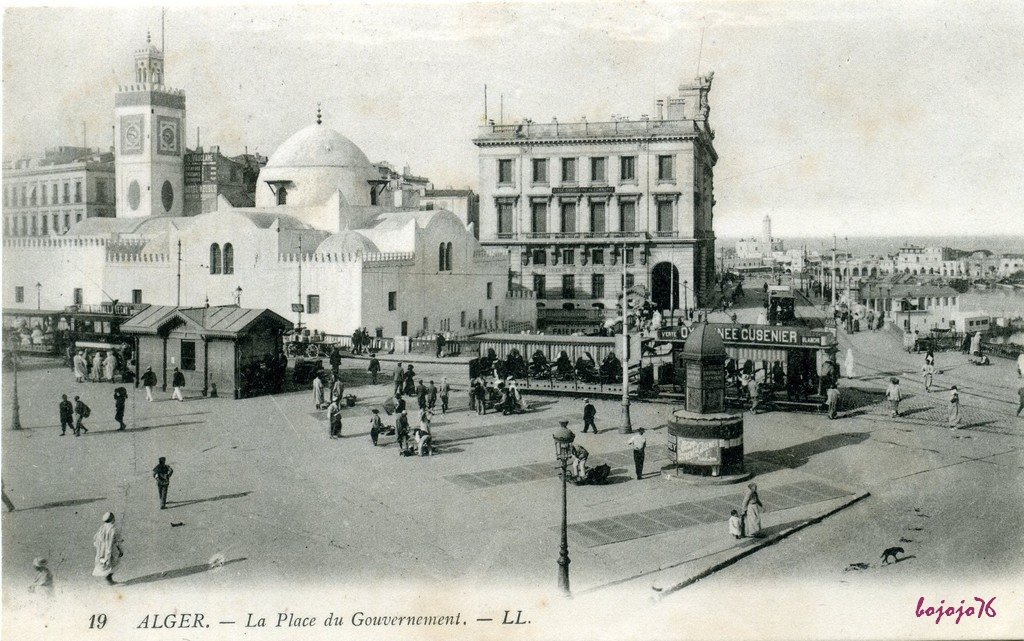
(570, 203)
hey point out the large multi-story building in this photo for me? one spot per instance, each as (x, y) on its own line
(46, 196)
(570, 202)
(763, 247)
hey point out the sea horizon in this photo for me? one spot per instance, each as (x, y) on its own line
(878, 245)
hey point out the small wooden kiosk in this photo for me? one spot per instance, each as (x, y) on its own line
(212, 346)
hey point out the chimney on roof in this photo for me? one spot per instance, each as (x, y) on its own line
(660, 109)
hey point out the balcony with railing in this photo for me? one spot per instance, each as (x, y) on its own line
(572, 130)
(587, 236)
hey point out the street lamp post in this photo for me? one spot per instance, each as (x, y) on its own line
(563, 450)
(15, 409)
(627, 423)
(39, 290)
(686, 303)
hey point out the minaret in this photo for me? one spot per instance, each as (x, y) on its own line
(149, 158)
(766, 232)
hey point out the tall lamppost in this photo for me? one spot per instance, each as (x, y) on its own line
(39, 290)
(15, 409)
(563, 450)
(627, 423)
(686, 304)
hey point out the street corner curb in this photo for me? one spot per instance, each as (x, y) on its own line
(771, 540)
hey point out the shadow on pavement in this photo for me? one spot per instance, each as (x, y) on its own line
(144, 428)
(173, 504)
(180, 572)
(68, 503)
(798, 455)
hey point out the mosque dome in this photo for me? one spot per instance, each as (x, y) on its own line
(347, 242)
(313, 165)
(318, 146)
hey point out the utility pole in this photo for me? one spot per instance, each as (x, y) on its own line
(15, 408)
(299, 326)
(834, 281)
(627, 424)
(179, 273)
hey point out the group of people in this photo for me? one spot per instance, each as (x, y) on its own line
(101, 367)
(504, 396)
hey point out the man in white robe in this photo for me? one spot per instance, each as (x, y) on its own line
(107, 542)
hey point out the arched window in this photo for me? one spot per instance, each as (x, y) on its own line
(229, 259)
(440, 258)
(282, 195)
(448, 257)
(215, 258)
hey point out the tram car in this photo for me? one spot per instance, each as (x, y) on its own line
(781, 305)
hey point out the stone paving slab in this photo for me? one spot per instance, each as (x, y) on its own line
(633, 525)
(537, 471)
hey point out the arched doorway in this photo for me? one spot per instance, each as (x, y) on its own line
(665, 286)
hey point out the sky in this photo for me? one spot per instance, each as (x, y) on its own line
(858, 118)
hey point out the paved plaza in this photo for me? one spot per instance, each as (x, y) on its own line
(260, 488)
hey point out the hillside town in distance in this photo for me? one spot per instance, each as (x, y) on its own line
(225, 369)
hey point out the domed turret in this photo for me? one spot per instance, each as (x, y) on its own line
(704, 343)
(347, 242)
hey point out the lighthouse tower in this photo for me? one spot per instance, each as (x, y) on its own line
(149, 155)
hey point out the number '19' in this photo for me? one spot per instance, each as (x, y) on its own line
(97, 621)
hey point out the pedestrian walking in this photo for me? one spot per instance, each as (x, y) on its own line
(444, 392)
(421, 394)
(43, 582)
(82, 412)
(120, 397)
(402, 431)
(440, 342)
(399, 379)
(849, 363)
(953, 419)
(335, 360)
(109, 365)
(1020, 394)
(374, 368)
(832, 396)
(376, 426)
(639, 443)
(178, 382)
(318, 392)
(149, 382)
(579, 462)
(425, 415)
(162, 473)
(752, 508)
(107, 542)
(929, 374)
(431, 395)
(735, 525)
(894, 395)
(80, 366)
(334, 418)
(976, 344)
(97, 367)
(67, 414)
(1020, 365)
(337, 390)
(589, 416)
(410, 381)
(753, 390)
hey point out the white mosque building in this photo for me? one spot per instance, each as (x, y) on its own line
(316, 237)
